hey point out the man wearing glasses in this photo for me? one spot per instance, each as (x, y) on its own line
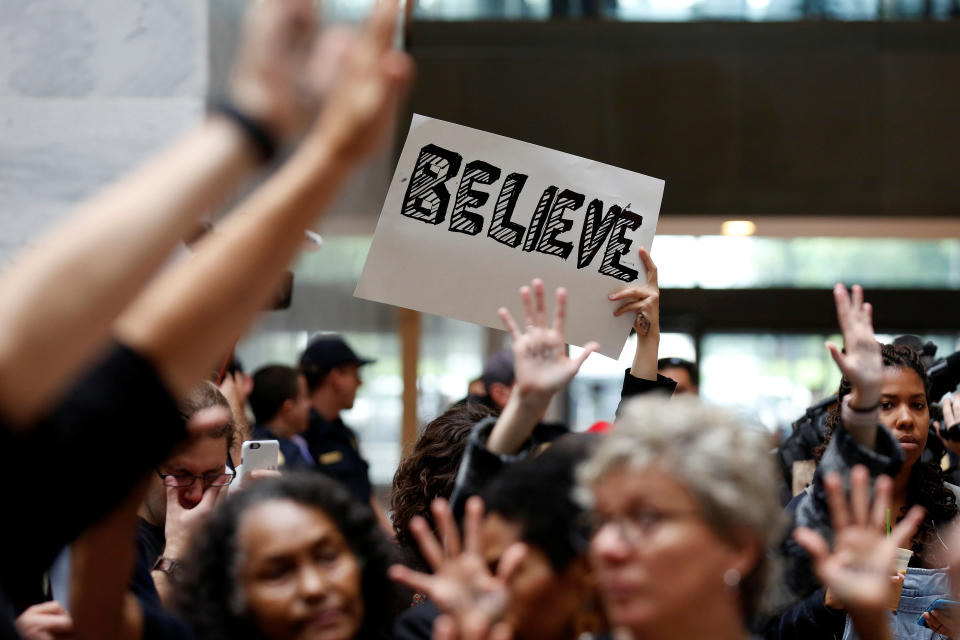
(182, 493)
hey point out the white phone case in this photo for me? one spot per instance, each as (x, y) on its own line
(258, 454)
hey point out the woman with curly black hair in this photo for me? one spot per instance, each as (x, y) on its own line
(430, 471)
(289, 558)
(882, 421)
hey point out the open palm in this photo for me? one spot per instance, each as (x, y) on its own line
(540, 361)
(462, 584)
(859, 571)
(860, 361)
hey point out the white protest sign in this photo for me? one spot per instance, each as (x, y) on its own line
(472, 216)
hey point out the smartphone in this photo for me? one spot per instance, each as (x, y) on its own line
(257, 454)
(939, 603)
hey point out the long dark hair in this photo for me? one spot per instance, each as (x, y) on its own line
(207, 592)
(926, 483)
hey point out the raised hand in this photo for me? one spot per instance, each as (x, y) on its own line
(644, 301)
(861, 363)
(540, 361)
(270, 77)
(362, 101)
(462, 585)
(859, 571)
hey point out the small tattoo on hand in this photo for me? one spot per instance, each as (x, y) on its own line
(642, 325)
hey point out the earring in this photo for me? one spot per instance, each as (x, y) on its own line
(731, 578)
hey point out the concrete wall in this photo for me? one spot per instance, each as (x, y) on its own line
(87, 90)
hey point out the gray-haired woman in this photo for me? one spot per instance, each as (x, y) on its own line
(686, 517)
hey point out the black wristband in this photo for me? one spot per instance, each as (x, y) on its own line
(256, 131)
(866, 410)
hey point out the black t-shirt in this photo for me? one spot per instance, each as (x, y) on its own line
(81, 460)
(150, 544)
(335, 450)
(158, 623)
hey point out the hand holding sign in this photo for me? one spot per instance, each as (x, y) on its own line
(541, 367)
(644, 301)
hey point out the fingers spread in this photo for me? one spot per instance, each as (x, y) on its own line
(560, 314)
(509, 323)
(540, 307)
(857, 298)
(860, 494)
(414, 579)
(527, 306)
(511, 560)
(842, 301)
(430, 548)
(882, 489)
(472, 523)
(446, 526)
(836, 501)
(903, 532)
(588, 348)
(836, 354)
(813, 542)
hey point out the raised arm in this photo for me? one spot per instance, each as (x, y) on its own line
(191, 314)
(60, 298)
(860, 362)
(643, 301)
(859, 571)
(541, 367)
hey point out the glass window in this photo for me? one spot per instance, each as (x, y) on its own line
(451, 355)
(741, 262)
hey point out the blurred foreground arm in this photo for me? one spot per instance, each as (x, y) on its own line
(195, 310)
(60, 299)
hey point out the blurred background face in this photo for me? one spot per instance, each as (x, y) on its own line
(300, 579)
(300, 415)
(654, 556)
(347, 380)
(543, 604)
(682, 378)
(904, 410)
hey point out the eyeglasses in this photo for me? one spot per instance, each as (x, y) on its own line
(639, 525)
(181, 480)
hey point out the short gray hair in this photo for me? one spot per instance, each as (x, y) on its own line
(726, 464)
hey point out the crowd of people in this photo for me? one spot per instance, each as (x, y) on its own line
(131, 515)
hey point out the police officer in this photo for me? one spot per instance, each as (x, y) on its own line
(332, 370)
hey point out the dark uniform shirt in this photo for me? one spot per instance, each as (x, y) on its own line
(335, 450)
(292, 458)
